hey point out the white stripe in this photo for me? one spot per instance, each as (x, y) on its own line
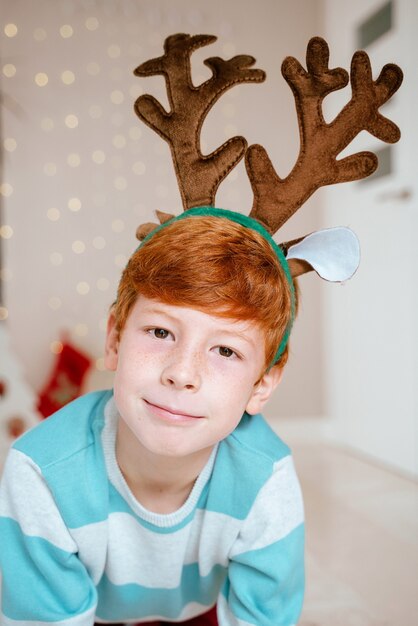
(133, 550)
(84, 619)
(277, 510)
(91, 543)
(26, 498)
(211, 540)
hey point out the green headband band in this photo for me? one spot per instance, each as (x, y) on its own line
(247, 222)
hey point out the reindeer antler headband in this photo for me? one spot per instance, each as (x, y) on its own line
(332, 253)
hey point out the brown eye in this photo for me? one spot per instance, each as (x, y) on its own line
(160, 333)
(224, 351)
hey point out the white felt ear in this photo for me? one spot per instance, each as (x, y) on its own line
(334, 253)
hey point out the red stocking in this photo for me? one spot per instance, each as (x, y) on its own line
(66, 380)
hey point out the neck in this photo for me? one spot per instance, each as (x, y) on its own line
(161, 484)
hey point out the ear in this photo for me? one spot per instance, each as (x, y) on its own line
(263, 389)
(112, 344)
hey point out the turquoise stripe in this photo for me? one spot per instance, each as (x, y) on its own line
(274, 576)
(231, 476)
(235, 455)
(131, 601)
(80, 487)
(40, 581)
(53, 439)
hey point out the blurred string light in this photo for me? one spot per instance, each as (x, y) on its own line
(98, 157)
(92, 23)
(139, 168)
(41, 79)
(56, 258)
(10, 30)
(73, 159)
(6, 190)
(68, 77)
(83, 288)
(71, 120)
(74, 204)
(53, 214)
(56, 347)
(78, 247)
(6, 231)
(66, 31)
(10, 144)
(50, 169)
(9, 70)
(120, 183)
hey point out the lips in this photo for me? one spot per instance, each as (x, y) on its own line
(170, 413)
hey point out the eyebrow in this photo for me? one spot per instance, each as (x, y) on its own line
(233, 334)
(157, 311)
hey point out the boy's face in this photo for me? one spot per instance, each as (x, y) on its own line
(184, 378)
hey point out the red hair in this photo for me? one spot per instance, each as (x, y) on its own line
(214, 265)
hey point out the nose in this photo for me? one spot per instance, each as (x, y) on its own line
(183, 371)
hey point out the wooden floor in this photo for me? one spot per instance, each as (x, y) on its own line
(362, 541)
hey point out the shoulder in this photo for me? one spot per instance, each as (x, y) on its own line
(66, 432)
(63, 456)
(247, 460)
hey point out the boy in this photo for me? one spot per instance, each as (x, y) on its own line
(170, 495)
(169, 499)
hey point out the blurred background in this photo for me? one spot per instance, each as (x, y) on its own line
(80, 172)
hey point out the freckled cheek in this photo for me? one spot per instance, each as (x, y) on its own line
(136, 367)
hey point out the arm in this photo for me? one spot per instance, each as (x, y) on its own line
(265, 582)
(43, 579)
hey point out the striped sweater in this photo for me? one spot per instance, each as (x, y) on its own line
(76, 546)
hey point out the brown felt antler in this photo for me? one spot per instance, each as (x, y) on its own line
(276, 199)
(198, 175)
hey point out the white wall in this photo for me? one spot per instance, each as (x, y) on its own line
(371, 339)
(52, 163)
